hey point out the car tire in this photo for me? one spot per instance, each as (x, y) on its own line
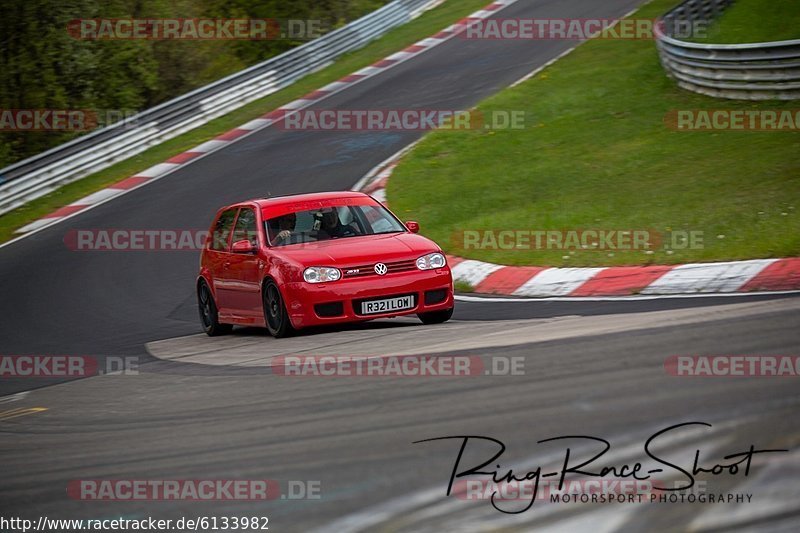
(209, 317)
(275, 316)
(436, 317)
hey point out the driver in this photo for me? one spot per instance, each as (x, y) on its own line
(333, 227)
(286, 225)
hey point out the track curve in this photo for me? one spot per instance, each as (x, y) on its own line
(56, 300)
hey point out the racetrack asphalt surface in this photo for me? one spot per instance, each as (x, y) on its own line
(353, 436)
(176, 420)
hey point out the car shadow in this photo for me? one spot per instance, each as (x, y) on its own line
(248, 331)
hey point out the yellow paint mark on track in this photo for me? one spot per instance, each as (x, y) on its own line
(20, 411)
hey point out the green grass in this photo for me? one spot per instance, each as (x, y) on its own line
(756, 21)
(463, 286)
(425, 26)
(596, 154)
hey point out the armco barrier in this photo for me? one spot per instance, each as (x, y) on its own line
(36, 176)
(753, 71)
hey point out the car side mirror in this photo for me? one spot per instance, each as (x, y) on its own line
(243, 247)
(412, 226)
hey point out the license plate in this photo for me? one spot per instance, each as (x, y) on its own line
(387, 306)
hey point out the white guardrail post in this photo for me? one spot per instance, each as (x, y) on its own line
(38, 175)
(753, 71)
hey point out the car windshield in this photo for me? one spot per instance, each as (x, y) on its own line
(337, 222)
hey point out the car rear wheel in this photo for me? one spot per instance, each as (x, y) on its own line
(275, 315)
(436, 317)
(209, 318)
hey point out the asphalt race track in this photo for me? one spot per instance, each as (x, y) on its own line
(353, 435)
(201, 408)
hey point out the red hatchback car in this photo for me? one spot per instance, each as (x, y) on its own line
(292, 262)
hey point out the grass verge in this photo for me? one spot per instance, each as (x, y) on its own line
(596, 153)
(424, 26)
(756, 21)
(463, 286)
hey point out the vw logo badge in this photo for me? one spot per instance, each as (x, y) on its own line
(380, 269)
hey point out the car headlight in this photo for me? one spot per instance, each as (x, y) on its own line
(431, 261)
(321, 274)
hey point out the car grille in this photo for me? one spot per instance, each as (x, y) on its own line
(393, 267)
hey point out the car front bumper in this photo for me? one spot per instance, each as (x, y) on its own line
(337, 302)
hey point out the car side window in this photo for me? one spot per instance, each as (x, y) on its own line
(222, 231)
(245, 229)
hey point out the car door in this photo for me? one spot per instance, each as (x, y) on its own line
(242, 269)
(218, 254)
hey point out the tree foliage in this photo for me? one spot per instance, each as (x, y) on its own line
(43, 67)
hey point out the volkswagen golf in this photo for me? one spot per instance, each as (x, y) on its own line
(292, 262)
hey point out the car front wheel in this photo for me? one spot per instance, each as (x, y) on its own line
(436, 317)
(275, 315)
(209, 318)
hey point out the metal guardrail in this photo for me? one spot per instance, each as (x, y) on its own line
(753, 71)
(38, 175)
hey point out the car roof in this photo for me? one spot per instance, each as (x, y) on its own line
(282, 201)
(281, 205)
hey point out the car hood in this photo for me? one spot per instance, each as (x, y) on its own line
(353, 251)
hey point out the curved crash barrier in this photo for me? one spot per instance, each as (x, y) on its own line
(754, 71)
